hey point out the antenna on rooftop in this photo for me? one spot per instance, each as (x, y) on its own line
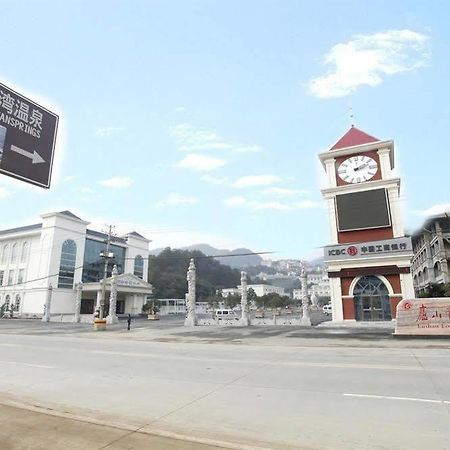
(350, 112)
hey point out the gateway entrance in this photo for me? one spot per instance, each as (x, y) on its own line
(371, 300)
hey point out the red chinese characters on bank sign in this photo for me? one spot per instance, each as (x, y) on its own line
(352, 250)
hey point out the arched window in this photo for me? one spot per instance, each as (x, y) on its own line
(5, 253)
(24, 254)
(371, 298)
(425, 274)
(139, 266)
(6, 304)
(67, 264)
(437, 269)
(14, 253)
(17, 303)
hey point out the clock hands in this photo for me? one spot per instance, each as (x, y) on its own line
(360, 167)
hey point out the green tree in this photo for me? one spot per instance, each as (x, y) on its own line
(167, 274)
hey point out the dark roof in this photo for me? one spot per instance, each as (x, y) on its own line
(136, 234)
(22, 229)
(101, 235)
(353, 137)
(69, 214)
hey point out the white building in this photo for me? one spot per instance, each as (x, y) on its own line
(260, 290)
(61, 252)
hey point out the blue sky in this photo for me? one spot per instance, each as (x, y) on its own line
(201, 121)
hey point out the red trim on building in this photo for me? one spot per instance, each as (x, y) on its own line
(353, 137)
(361, 271)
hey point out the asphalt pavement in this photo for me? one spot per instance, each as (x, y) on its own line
(256, 387)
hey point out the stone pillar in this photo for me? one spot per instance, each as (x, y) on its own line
(48, 304)
(314, 299)
(97, 304)
(245, 310)
(79, 290)
(112, 317)
(191, 318)
(306, 318)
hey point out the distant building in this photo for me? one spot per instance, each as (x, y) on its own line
(431, 246)
(259, 289)
(61, 252)
(318, 284)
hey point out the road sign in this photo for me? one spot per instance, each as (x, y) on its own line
(27, 138)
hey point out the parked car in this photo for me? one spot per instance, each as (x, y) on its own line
(327, 309)
(226, 314)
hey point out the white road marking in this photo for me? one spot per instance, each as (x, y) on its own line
(209, 359)
(4, 344)
(388, 397)
(39, 366)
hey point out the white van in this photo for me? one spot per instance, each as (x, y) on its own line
(327, 309)
(226, 314)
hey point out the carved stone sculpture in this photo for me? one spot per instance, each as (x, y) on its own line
(112, 316)
(191, 318)
(79, 290)
(245, 310)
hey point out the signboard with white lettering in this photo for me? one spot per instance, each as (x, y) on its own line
(423, 316)
(27, 138)
(387, 247)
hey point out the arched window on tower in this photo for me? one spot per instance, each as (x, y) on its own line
(5, 253)
(139, 266)
(67, 264)
(24, 254)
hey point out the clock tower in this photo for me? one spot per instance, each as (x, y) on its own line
(369, 256)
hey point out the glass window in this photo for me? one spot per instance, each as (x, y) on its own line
(2, 274)
(14, 253)
(7, 301)
(5, 253)
(67, 264)
(94, 264)
(20, 276)
(24, 254)
(139, 266)
(17, 303)
(11, 274)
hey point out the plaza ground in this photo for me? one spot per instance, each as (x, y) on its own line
(257, 387)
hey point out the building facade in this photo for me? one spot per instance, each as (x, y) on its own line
(369, 256)
(431, 246)
(259, 289)
(61, 252)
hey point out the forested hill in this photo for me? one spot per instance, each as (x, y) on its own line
(167, 274)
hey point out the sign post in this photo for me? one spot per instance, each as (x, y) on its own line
(27, 138)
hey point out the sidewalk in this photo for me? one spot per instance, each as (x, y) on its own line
(29, 430)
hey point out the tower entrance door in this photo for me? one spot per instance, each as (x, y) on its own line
(371, 298)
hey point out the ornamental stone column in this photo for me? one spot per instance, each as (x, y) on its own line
(245, 313)
(79, 290)
(306, 317)
(191, 318)
(112, 316)
(48, 304)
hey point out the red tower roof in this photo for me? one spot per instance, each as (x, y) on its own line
(353, 137)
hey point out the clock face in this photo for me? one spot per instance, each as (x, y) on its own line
(357, 169)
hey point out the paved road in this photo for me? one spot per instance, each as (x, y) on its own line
(282, 396)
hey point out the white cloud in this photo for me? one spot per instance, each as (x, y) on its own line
(108, 131)
(69, 178)
(235, 201)
(180, 109)
(85, 190)
(366, 59)
(215, 180)
(436, 210)
(117, 182)
(284, 192)
(192, 139)
(257, 205)
(256, 180)
(177, 199)
(4, 192)
(201, 163)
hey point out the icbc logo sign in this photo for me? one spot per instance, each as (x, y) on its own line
(352, 251)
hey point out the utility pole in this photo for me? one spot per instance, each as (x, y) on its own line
(107, 255)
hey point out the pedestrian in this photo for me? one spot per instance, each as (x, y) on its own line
(128, 322)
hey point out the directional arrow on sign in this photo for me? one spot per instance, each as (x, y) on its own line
(35, 157)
